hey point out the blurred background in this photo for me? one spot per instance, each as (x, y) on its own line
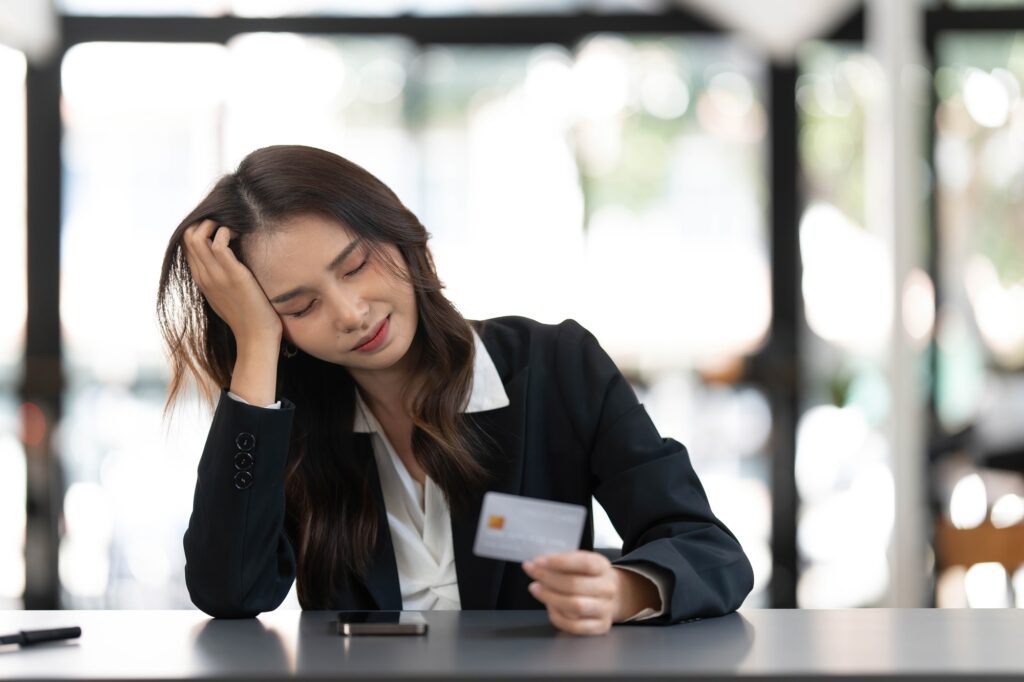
(795, 226)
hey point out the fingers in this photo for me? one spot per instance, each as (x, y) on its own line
(211, 260)
(197, 233)
(195, 268)
(228, 286)
(575, 615)
(220, 248)
(578, 588)
(573, 583)
(575, 606)
(195, 244)
(588, 626)
(580, 561)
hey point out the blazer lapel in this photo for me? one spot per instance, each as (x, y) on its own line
(382, 576)
(479, 578)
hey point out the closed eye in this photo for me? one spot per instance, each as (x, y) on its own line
(304, 310)
(361, 266)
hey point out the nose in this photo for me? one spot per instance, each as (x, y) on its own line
(351, 311)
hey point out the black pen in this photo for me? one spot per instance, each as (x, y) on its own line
(26, 637)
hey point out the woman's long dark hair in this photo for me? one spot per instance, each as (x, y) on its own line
(331, 514)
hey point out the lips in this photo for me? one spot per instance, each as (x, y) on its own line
(376, 330)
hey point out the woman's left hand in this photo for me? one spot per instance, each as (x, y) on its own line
(584, 594)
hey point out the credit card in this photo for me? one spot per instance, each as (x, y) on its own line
(515, 528)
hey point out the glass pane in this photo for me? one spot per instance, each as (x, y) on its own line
(843, 468)
(670, 137)
(12, 215)
(980, 197)
(607, 170)
(12, 325)
(345, 94)
(501, 193)
(140, 148)
(12, 505)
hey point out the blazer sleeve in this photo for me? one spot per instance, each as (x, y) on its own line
(648, 487)
(238, 560)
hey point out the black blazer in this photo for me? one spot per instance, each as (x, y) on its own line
(573, 428)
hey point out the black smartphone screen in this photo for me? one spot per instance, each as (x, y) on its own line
(368, 616)
(381, 623)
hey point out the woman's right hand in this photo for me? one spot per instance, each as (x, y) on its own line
(229, 287)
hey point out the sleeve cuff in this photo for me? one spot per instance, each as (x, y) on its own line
(659, 581)
(275, 406)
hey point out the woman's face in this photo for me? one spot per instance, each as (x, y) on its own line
(332, 293)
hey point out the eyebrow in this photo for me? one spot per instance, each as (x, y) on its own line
(337, 260)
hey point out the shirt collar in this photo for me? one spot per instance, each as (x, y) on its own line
(487, 392)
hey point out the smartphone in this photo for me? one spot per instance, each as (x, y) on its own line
(352, 623)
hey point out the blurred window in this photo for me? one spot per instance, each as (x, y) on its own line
(980, 171)
(979, 167)
(12, 325)
(141, 145)
(843, 466)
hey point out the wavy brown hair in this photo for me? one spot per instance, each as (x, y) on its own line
(330, 509)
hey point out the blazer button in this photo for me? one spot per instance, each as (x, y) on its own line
(243, 461)
(243, 479)
(245, 441)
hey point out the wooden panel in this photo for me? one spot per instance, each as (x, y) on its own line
(957, 546)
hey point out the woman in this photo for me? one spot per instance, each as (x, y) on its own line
(361, 418)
